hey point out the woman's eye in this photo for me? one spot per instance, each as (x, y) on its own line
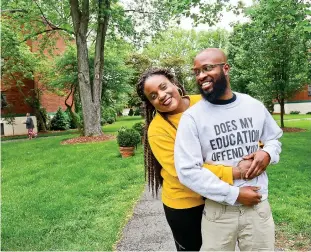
(153, 96)
(163, 87)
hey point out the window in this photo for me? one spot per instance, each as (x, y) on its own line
(309, 90)
(3, 100)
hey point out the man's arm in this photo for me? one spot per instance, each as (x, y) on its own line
(270, 153)
(162, 147)
(189, 162)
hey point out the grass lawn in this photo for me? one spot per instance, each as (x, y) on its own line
(126, 121)
(78, 197)
(289, 116)
(289, 191)
(66, 197)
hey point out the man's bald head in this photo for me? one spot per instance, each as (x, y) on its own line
(211, 56)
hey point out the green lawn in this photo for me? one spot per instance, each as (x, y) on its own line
(66, 197)
(289, 117)
(127, 121)
(289, 191)
(78, 197)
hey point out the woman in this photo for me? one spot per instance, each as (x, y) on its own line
(165, 101)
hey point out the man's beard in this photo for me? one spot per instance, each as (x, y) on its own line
(219, 88)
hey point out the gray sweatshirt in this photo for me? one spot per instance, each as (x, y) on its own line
(223, 134)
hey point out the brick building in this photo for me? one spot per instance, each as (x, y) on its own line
(301, 102)
(15, 96)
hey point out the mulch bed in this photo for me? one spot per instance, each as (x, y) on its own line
(293, 129)
(86, 139)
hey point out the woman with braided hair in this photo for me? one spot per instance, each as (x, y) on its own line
(164, 102)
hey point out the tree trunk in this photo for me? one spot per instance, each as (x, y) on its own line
(282, 112)
(90, 108)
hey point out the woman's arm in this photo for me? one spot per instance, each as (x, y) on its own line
(162, 147)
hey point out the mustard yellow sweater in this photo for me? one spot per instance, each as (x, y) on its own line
(161, 137)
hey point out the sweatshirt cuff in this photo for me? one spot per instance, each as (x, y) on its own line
(232, 195)
(274, 158)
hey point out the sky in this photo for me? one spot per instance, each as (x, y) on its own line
(228, 17)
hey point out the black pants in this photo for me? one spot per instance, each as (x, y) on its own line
(186, 227)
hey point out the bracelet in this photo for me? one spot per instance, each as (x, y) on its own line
(242, 174)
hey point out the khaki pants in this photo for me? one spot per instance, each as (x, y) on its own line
(224, 226)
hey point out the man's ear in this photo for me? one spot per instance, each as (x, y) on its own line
(226, 69)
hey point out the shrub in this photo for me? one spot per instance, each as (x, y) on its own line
(108, 113)
(139, 127)
(59, 121)
(127, 137)
(71, 121)
(137, 112)
(294, 112)
(110, 120)
(102, 121)
(131, 112)
(308, 113)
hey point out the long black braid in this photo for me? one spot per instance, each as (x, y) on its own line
(152, 166)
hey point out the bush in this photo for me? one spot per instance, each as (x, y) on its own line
(139, 127)
(294, 112)
(131, 112)
(128, 137)
(71, 121)
(59, 121)
(108, 114)
(102, 121)
(110, 120)
(308, 113)
(137, 112)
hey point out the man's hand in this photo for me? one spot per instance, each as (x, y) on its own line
(259, 164)
(249, 196)
(240, 171)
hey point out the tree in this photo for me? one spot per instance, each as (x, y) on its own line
(273, 58)
(10, 117)
(95, 21)
(176, 49)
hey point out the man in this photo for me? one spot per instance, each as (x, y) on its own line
(223, 128)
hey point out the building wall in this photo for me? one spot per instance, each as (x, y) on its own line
(303, 107)
(302, 95)
(49, 100)
(13, 96)
(19, 126)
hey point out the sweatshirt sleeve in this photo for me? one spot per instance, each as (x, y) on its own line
(270, 135)
(162, 147)
(189, 165)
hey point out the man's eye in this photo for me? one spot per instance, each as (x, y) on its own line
(196, 72)
(207, 68)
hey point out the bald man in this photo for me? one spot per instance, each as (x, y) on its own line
(223, 128)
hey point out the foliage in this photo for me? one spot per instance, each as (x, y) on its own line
(139, 127)
(269, 55)
(59, 121)
(10, 116)
(294, 112)
(137, 112)
(308, 113)
(73, 124)
(176, 48)
(128, 137)
(131, 112)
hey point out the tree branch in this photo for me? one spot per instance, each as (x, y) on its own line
(46, 31)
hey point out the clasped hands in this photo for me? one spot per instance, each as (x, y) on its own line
(252, 165)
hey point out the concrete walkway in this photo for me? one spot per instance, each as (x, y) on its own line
(147, 230)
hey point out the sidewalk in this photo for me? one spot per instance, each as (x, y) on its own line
(147, 230)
